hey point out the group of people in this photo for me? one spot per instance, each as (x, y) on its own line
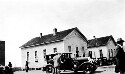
(8, 69)
(120, 57)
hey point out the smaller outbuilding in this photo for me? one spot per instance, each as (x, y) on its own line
(102, 47)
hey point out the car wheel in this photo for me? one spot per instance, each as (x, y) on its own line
(75, 64)
(50, 69)
(88, 68)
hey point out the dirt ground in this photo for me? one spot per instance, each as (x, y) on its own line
(100, 70)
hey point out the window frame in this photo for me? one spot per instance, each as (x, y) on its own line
(36, 56)
(54, 50)
(44, 54)
(27, 56)
(69, 48)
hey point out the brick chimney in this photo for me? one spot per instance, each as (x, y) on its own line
(40, 35)
(54, 31)
(95, 40)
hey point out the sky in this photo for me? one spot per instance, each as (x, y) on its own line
(22, 20)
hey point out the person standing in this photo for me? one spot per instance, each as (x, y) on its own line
(9, 69)
(120, 57)
(10, 64)
(57, 62)
(27, 67)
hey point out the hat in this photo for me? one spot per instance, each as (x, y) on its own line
(119, 40)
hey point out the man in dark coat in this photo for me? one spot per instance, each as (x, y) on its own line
(120, 57)
(27, 67)
(10, 65)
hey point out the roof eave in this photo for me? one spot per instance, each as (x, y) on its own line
(22, 47)
(96, 46)
(82, 35)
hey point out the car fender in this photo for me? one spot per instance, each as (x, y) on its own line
(82, 64)
(94, 66)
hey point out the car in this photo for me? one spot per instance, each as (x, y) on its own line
(49, 60)
(84, 64)
(2, 69)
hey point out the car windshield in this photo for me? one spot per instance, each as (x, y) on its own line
(48, 57)
(66, 55)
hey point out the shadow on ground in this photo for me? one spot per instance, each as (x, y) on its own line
(96, 72)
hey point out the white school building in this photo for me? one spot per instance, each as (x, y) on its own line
(71, 40)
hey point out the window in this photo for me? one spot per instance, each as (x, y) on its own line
(114, 52)
(55, 50)
(27, 56)
(84, 54)
(83, 51)
(101, 54)
(36, 57)
(77, 52)
(90, 54)
(111, 53)
(82, 48)
(76, 48)
(69, 47)
(44, 54)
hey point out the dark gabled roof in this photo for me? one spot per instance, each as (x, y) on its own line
(102, 41)
(50, 38)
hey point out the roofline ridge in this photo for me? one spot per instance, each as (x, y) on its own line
(59, 31)
(103, 37)
(67, 29)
